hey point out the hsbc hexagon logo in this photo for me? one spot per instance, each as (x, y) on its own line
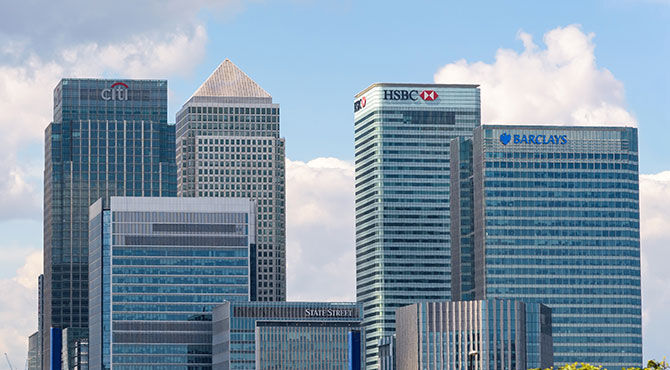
(428, 95)
(359, 104)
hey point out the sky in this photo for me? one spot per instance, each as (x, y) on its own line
(569, 62)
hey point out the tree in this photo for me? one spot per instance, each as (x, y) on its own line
(651, 365)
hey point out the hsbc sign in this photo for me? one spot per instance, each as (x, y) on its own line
(414, 95)
(359, 104)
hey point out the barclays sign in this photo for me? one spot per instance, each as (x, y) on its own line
(541, 139)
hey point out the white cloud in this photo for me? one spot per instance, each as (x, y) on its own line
(559, 84)
(320, 230)
(26, 100)
(655, 256)
(18, 312)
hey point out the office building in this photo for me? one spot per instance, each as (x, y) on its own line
(387, 352)
(554, 219)
(402, 136)
(158, 266)
(33, 349)
(108, 137)
(286, 335)
(74, 349)
(489, 334)
(228, 145)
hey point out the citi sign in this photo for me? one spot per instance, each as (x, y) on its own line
(414, 95)
(505, 139)
(118, 91)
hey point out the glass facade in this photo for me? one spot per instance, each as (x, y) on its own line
(228, 145)
(284, 335)
(556, 221)
(442, 335)
(158, 267)
(108, 137)
(402, 135)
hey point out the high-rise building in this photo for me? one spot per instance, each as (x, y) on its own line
(228, 145)
(402, 135)
(286, 335)
(479, 334)
(108, 137)
(33, 349)
(553, 218)
(158, 266)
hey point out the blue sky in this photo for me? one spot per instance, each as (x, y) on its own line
(313, 57)
(603, 60)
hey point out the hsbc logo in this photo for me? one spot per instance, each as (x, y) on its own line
(359, 104)
(428, 95)
(414, 95)
(118, 91)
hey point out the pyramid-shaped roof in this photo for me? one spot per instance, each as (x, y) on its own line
(228, 80)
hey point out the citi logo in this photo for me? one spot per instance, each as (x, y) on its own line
(359, 104)
(118, 91)
(414, 95)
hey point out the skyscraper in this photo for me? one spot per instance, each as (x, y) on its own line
(402, 135)
(284, 335)
(108, 137)
(158, 267)
(228, 145)
(554, 219)
(478, 334)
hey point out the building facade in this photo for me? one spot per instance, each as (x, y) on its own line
(74, 349)
(555, 220)
(489, 334)
(108, 137)
(158, 267)
(285, 335)
(33, 349)
(229, 145)
(402, 135)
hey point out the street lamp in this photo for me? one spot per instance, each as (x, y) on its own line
(471, 359)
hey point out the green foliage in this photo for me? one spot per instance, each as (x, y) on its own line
(651, 365)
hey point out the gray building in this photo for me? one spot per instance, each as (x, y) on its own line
(401, 136)
(286, 335)
(489, 334)
(158, 267)
(550, 214)
(33, 350)
(74, 349)
(108, 137)
(229, 145)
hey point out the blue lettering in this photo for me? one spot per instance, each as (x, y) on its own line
(564, 139)
(531, 139)
(516, 139)
(524, 140)
(551, 139)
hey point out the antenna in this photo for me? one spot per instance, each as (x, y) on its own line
(9, 363)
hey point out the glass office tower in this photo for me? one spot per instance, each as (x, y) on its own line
(228, 145)
(505, 334)
(158, 267)
(555, 214)
(285, 335)
(402, 136)
(108, 137)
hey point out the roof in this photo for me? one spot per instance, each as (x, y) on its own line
(228, 80)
